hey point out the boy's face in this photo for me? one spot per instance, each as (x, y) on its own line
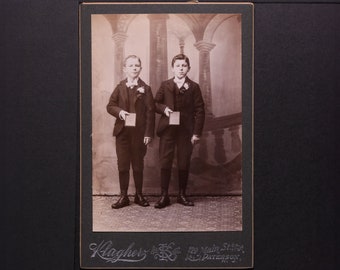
(132, 68)
(180, 69)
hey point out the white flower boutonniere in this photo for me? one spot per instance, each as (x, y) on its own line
(141, 90)
(184, 88)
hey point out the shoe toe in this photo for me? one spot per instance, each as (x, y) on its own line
(122, 202)
(141, 201)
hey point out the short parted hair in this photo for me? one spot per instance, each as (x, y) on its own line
(180, 57)
(132, 56)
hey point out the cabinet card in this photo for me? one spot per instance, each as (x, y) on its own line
(217, 232)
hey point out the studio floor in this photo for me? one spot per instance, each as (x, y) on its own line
(210, 213)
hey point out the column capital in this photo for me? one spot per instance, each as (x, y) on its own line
(119, 37)
(159, 17)
(203, 45)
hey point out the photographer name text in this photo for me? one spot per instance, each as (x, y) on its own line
(167, 252)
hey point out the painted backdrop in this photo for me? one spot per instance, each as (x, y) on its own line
(213, 44)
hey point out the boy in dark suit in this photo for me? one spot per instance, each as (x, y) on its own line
(132, 97)
(179, 94)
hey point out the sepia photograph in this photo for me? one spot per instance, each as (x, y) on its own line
(213, 175)
(165, 148)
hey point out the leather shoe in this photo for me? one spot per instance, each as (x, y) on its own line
(121, 202)
(183, 200)
(163, 202)
(140, 200)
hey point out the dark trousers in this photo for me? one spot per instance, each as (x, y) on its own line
(130, 150)
(174, 138)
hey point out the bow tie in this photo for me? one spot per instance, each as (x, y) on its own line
(131, 84)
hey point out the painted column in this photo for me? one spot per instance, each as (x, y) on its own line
(181, 45)
(204, 49)
(119, 39)
(158, 50)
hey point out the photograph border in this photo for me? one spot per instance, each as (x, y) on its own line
(173, 249)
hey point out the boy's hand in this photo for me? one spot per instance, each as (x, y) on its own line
(123, 114)
(194, 139)
(167, 111)
(147, 140)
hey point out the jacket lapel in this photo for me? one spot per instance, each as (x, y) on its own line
(124, 94)
(171, 87)
(140, 83)
(188, 81)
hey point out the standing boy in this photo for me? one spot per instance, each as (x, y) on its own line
(132, 99)
(178, 96)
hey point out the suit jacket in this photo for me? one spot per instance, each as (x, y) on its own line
(144, 107)
(192, 112)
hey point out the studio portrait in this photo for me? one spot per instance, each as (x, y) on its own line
(166, 102)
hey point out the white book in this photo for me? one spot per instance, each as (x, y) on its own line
(130, 120)
(174, 118)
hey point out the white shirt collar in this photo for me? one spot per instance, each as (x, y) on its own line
(132, 83)
(179, 82)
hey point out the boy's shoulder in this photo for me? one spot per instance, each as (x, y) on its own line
(142, 83)
(122, 83)
(192, 84)
(168, 81)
